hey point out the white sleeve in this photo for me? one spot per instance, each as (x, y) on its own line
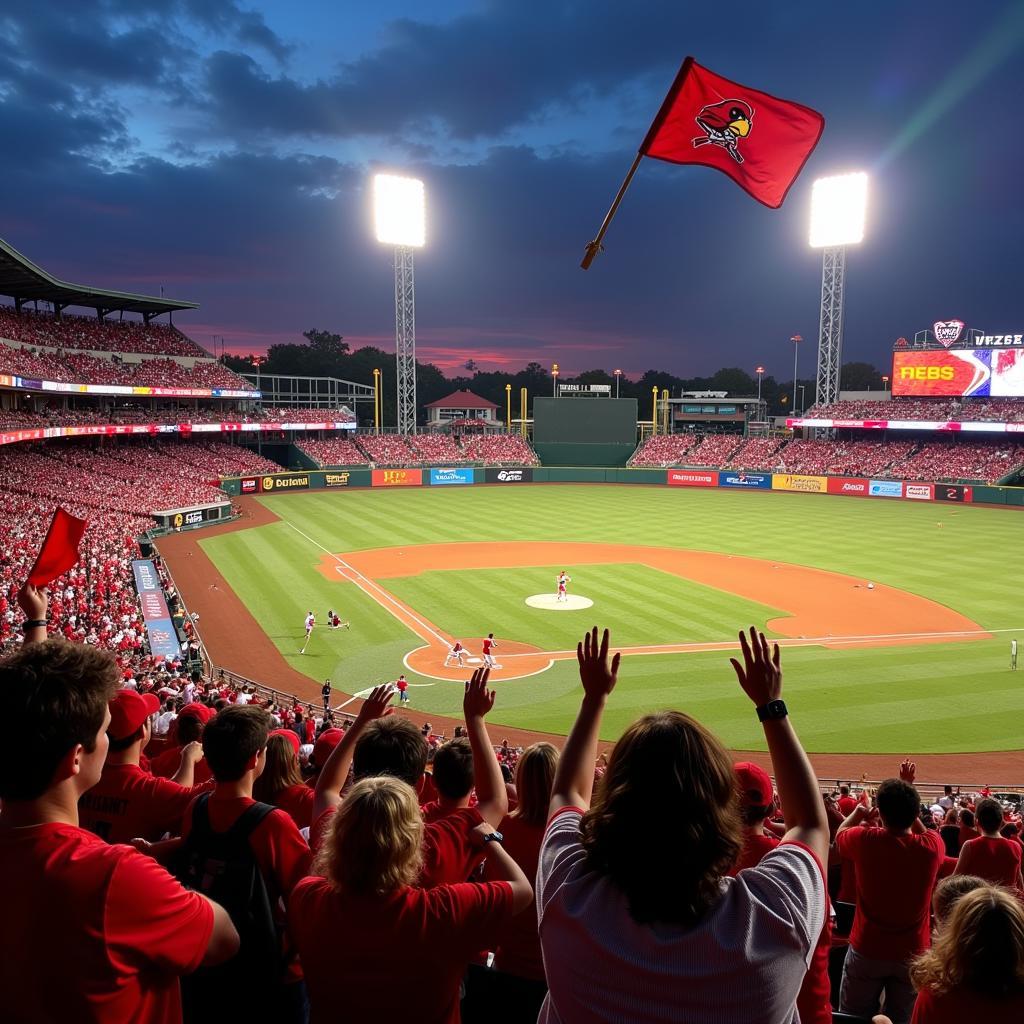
(561, 851)
(789, 885)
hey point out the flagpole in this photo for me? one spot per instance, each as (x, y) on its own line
(594, 247)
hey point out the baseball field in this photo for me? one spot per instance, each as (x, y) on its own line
(918, 661)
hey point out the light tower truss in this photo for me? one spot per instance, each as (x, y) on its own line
(405, 338)
(830, 324)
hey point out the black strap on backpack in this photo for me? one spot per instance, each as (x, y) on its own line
(222, 866)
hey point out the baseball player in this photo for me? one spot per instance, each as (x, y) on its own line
(1013, 653)
(563, 580)
(310, 623)
(403, 688)
(489, 645)
(457, 652)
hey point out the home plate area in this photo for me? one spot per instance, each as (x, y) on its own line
(550, 602)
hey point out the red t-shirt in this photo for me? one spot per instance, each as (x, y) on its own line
(93, 932)
(352, 946)
(755, 846)
(487, 644)
(128, 803)
(847, 804)
(402, 684)
(166, 764)
(961, 1005)
(997, 860)
(895, 878)
(518, 949)
(297, 802)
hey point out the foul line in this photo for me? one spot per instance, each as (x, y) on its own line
(368, 587)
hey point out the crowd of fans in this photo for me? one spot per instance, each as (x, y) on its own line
(185, 849)
(52, 415)
(420, 450)
(78, 368)
(87, 332)
(896, 460)
(992, 410)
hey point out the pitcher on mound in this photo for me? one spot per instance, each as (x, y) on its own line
(563, 580)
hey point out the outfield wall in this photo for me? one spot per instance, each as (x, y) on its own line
(463, 476)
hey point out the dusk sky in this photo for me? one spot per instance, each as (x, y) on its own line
(224, 150)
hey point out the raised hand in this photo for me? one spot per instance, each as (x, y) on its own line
(597, 677)
(376, 705)
(478, 699)
(32, 601)
(908, 771)
(760, 675)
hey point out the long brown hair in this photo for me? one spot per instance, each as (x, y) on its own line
(374, 843)
(980, 947)
(670, 789)
(535, 774)
(280, 771)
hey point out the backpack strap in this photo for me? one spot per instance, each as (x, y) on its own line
(200, 816)
(249, 820)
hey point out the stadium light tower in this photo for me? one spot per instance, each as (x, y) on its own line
(796, 339)
(838, 205)
(618, 377)
(399, 213)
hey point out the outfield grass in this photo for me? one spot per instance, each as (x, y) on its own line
(943, 698)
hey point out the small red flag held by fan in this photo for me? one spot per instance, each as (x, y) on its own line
(60, 548)
(760, 141)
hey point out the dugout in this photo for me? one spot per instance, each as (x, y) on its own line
(584, 431)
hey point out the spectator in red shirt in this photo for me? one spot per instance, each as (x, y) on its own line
(453, 779)
(896, 866)
(235, 742)
(975, 971)
(188, 728)
(379, 743)
(846, 802)
(281, 782)
(991, 856)
(129, 803)
(757, 801)
(91, 932)
(367, 910)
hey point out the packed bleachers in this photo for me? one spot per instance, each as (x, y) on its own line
(997, 410)
(713, 450)
(664, 450)
(218, 412)
(333, 451)
(437, 448)
(87, 332)
(755, 453)
(960, 460)
(388, 449)
(499, 449)
(841, 458)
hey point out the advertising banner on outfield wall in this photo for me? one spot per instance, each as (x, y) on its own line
(919, 492)
(442, 477)
(848, 485)
(397, 477)
(509, 476)
(248, 485)
(692, 478)
(795, 482)
(952, 492)
(163, 639)
(292, 482)
(761, 480)
(885, 488)
(336, 479)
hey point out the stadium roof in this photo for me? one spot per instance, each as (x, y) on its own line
(462, 400)
(22, 280)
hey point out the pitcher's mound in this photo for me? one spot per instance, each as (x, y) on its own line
(550, 602)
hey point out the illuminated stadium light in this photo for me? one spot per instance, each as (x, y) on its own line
(399, 210)
(838, 206)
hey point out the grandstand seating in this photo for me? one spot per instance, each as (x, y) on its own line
(388, 449)
(946, 461)
(437, 448)
(221, 412)
(713, 450)
(755, 453)
(499, 449)
(841, 458)
(997, 410)
(664, 450)
(86, 332)
(333, 451)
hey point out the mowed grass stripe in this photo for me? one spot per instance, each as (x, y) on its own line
(916, 699)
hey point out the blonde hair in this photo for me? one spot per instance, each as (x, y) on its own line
(374, 844)
(980, 947)
(950, 891)
(535, 774)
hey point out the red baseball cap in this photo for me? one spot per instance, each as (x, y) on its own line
(196, 710)
(128, 710)
(754, 784)
(289, 736)
(325, 743)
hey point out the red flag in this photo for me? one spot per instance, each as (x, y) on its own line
(760, 141)
(60, 549)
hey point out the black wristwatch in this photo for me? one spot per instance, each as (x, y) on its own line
(493, 837)
(773, 709)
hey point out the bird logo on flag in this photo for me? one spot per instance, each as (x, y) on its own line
(724, 124)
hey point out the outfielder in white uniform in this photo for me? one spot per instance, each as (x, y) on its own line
(310, 623)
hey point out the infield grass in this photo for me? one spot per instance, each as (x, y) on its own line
(954, 697)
